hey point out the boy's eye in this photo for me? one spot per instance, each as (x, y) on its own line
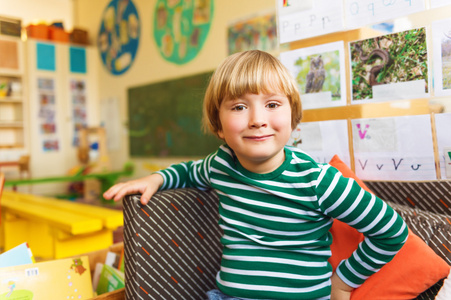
(238, 107)
(273, 105)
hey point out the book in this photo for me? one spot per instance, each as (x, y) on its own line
(68, 278)
(110, 279)
(19, 255)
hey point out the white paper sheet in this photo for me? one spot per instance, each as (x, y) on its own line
(363, 12)
(324, 17)
(443, 132)
(395, 148)
(439, 3)
(300, 63)
(322, 140)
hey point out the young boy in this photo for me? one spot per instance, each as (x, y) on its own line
(276, 203)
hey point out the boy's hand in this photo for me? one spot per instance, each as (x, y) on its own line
(147, 186)
(340, 290)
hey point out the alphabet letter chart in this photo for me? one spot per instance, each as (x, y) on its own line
(394, 148)
(322, 140)
(324, 17)
(362, 12)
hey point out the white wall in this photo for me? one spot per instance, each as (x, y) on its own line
(31, 11)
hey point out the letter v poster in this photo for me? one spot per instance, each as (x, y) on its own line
(394, 148)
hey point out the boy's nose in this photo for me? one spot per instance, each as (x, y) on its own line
(257, 120)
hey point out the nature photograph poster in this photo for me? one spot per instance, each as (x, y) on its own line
(441, 39)
(320, 74)
(390, 67)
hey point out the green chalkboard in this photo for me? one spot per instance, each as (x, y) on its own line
(165, 119)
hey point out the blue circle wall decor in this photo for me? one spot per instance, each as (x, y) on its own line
(119, 36)
(181, 28)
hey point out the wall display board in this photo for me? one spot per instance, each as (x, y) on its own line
(390, 67)
(322, 140)
(118, 37)
(398, 148)
(181, 28)
(441, 38)
(256, 32)
(443, 125)
(297, 20)
(320, 72)
(363, 12)
(165, 119)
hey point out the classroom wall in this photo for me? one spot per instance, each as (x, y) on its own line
(150, 67)
(31, 11)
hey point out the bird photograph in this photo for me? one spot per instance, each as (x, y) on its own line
(319, 72)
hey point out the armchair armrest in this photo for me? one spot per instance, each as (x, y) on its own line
(172, 245)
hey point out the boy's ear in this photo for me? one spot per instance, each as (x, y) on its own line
(220, 134)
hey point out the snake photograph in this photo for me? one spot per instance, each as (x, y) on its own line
(392, 58)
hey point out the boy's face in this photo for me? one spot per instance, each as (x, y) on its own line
(257, 127)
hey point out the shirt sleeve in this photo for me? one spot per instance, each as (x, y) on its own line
(385, 232)
(195, 174)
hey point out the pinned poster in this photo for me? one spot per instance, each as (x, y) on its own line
(390, 67)
(47, 115)
(441, 39)
(322, 140)
(394, 148)
(442, 126)
(298, 21)
(363, 12)
(320, 73)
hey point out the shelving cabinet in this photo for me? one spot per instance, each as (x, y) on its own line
(13, 100)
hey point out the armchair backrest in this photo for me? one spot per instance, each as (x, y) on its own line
(172, 245)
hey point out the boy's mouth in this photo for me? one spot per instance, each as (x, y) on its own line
(258, 137)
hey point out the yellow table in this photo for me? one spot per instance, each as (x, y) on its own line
(55, 228)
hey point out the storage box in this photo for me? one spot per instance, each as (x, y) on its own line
(40, 31)
(10, 26)
(79, 36)
(100, 257)
(58, 34)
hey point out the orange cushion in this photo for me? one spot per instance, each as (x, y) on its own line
(413, 270)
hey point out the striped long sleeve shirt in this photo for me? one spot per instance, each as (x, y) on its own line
(276, 226)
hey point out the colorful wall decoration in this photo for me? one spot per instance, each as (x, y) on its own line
(181, 28)
(118, 38)
(258, 32)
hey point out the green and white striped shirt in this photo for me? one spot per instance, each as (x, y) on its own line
(276, 225)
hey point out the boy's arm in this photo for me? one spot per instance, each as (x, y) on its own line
(187, 174)
(384, 230)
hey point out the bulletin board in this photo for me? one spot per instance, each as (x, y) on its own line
(165, 119)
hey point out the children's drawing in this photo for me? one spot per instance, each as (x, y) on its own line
(322, 140)
(441, 38)
(442, 126)
(320, 74)
(395, 148)
(390, 67)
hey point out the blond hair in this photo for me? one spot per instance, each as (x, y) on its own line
(251, 72)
